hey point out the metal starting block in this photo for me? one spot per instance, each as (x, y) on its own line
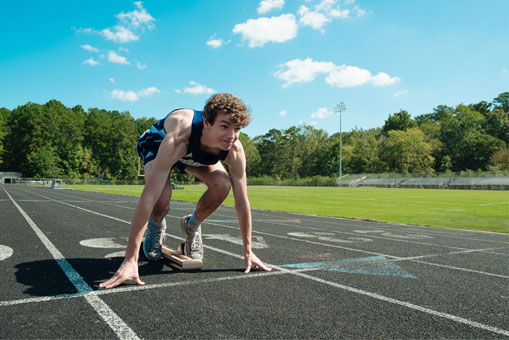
(181, 261)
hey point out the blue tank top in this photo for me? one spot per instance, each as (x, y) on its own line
(194, 155)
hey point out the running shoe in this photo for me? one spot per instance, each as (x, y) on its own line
(194, 244)
(152, 245)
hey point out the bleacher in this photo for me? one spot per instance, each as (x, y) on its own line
(453, 182)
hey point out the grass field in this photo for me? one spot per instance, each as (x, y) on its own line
(460, 209)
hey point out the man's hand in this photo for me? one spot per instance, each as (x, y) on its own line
(128, 271)
(252, 261)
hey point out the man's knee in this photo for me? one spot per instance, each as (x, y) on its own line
(221, 185)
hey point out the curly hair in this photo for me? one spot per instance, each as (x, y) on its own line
(228, 104)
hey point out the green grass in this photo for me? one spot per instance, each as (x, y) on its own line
(460, 209)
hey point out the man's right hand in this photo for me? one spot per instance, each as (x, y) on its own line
(128, 270)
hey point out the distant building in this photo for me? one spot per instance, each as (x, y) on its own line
(10, 177)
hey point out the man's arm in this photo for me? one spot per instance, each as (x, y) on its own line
(172, 148)
(237, 164)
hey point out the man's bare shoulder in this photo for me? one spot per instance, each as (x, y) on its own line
(236, 152)
(178, 124)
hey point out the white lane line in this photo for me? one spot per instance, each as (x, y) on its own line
(118, 326)
(39, 299)
(414, 259)
(337, 285)
(377, 296)
(397, 258)
(405, 304)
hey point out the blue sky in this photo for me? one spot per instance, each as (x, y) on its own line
(289, 60)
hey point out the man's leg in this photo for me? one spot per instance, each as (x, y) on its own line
(218, 185)
(152, 245)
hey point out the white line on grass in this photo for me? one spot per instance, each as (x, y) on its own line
(118, 326)
(347, 288)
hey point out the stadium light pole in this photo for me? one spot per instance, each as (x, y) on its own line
(339, 108)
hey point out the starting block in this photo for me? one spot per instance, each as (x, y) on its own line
(181, 261)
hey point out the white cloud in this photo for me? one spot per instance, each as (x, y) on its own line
(137, 18)
(504, 70)
(282, 113)
(112, 80)
(148, 91)
(348, 76)
(322, 13)
(359, 12)
(304, 71)
(196, 88)
(117, 59)
(400, 93)
(140, 65)
(89, 48)
(314, 19)
(91, 61)
(268, 5)
(383, 79)
(129, 24)
(131, 96)
(215, 43)
(321, 113)
(119, 34)
(125, 96)
(263, 30)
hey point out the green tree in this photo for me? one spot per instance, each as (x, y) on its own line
(500, 160)
(4, 118)
(502, 102)
(453, 131)
(253, 158)
(483, 107)
(496, 124)
(406, 151)
(399, 121)
(365, 153)
(478, 149)
(271, 149)
(111, 136)
(440, 113)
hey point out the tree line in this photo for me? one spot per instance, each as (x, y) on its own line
(54, 141)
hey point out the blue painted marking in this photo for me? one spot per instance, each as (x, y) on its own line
(333, 263)
(384, 269)
(81, 286)
(357, 266)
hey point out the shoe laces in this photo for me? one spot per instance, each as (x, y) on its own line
(156, 236)
(195, 244)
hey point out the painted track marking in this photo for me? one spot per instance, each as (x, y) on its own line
(395, 258)
(330, 283)
(118, 326)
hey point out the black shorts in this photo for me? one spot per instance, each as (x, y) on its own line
(147, 148)
(148, 145)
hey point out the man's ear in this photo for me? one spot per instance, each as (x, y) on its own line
(206, 123)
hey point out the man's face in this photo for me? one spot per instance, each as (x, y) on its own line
(223, 132)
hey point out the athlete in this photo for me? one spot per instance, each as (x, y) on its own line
(195, 142)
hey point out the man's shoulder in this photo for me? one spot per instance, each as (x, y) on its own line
(181, 114)
(179, 122)
(236, 153)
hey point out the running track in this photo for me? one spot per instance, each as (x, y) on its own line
(331, 278)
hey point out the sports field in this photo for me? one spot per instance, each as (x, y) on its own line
(486, 210)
